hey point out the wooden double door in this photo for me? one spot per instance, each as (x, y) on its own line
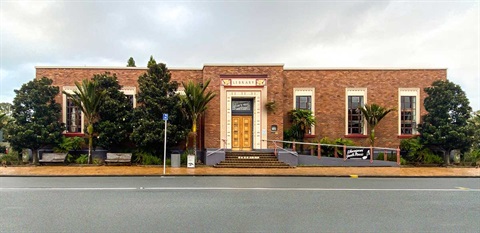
(242, 132)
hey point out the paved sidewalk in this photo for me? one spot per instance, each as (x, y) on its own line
(211, 171)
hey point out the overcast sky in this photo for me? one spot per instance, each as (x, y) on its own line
(413, 34)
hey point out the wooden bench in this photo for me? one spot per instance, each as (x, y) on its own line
(119, 158)
(53, 158)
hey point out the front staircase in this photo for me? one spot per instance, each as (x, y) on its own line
(251, 159)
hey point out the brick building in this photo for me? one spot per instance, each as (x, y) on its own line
(238, 119)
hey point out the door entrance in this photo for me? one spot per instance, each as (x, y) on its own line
(242, 133)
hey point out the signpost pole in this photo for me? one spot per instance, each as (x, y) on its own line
(165, 118)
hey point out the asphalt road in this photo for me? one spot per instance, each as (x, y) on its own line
(238, 204)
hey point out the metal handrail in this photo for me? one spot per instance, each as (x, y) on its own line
(219, 149)
(397, 150)
(277, 146)
(333, 145)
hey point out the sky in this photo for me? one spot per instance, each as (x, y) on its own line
(320, 34)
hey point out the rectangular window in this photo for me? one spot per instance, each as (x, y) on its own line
(130, 92)
(355, 116)
(130, 100)
(74, 117)
(408, 114)
(304, 102)
(303, 98)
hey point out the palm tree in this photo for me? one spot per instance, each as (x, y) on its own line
(301, 120)
(373, 115)
(88, 98)
(195, 102)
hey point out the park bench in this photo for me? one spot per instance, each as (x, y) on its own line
(53, 158)
(118, 158)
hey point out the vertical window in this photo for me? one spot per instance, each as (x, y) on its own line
(304, 102)
(355, 98)
(303, 99)
(74, 117)
(408, 110)
(408, 114)
(130, 99)
(355, 116)
(130, 92)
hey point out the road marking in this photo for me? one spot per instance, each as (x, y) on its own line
(458, 189)
(354, 176)
(67, 188)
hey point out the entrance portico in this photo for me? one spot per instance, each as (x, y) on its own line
(242, 115)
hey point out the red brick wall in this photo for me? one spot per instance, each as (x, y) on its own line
(382, 88)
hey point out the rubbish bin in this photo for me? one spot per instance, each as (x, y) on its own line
(175, 160)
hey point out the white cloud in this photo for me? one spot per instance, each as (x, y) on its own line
(189, 34)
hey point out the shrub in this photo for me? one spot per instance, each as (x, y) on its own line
(417, 153)
(472, 158)
(412, 146)
(97, 161)
(183, 158)
(83, 159)
(9, 159)
(146, 158)
(329, 151)
(70, 143)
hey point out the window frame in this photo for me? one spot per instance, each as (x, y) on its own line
(351, 92)
(70, 90)
(409, 92)
(306, 92)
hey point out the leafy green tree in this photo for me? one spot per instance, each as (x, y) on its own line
(195, 102)
(445, 127)
(157, 95)
(131, 62)
(373, 115)
(89, 98)
(115, 114)
(475, 126)
(301, 120)
(36, 117)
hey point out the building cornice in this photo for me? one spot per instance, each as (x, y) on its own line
(242, 65)
(359, 68)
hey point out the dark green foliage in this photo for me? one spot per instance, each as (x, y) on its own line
(301, 120)
(115, 114)
(82, 159)
(157, 96)
(131, 62)
(445, 127)
(36, 116)
(474, 124)
(70, 143)
(146, 158)
(10, 159)
(417, 153)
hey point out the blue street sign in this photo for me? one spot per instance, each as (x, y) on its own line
(165, 116)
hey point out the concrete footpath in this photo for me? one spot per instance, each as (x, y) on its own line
(211, 171)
